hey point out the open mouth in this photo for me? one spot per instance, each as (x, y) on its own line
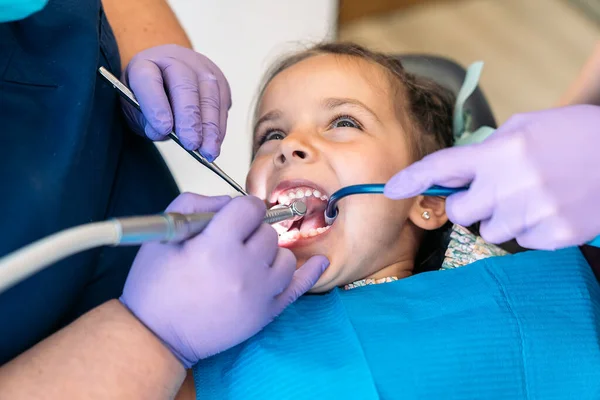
(313, 224)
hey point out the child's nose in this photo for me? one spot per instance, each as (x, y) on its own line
(294, 150)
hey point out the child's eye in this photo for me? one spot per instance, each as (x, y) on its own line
(273, 134)
(345, 121)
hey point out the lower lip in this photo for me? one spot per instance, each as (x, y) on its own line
(305, 241)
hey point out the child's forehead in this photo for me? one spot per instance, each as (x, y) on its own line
(331, 75)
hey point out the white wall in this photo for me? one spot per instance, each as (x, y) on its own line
(243, 37)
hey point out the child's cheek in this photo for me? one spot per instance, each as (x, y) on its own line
(256, 181)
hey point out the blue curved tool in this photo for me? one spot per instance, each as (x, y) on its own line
(377, 188)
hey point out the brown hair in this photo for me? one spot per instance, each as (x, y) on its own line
(428, 106)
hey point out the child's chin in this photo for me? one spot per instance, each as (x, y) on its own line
(319, 290)
(326, 282)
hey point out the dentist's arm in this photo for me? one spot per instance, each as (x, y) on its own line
(141, 24)
(181, 303)
(586, 87)
(107, 353)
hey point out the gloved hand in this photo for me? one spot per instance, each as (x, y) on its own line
(14, 10)
(173, 83)
(536, 179)
(221, 287)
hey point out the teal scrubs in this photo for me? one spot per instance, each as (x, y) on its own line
(14, 10)
(66, 158)
(515, 327)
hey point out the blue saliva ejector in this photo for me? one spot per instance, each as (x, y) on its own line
(331, 212)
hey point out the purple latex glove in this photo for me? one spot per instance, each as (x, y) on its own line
(177, 86)
(221, 287)
(536, 179)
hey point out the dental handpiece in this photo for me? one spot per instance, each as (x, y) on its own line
(128, 95)
(166, 228)
(331, 212)
(175, 227)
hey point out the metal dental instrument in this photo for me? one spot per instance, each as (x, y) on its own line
(128, 95)
(331, 212)
(295, 211)
(166, 228)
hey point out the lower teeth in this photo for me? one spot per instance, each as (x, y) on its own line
(294, 235)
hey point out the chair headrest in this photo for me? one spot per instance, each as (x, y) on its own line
(451, 75)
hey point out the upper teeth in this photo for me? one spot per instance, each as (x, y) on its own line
(298, 193)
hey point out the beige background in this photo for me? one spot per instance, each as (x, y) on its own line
(532, 49)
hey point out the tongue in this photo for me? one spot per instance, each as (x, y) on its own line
(313, 221)
(314, 216)
(283, 226)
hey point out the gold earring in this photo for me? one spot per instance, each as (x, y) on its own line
(426, 215)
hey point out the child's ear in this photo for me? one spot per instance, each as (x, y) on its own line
(428, 212)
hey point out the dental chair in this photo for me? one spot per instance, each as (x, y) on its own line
(450, 75)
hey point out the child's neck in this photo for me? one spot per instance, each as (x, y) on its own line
(400, 269)
(400, 259)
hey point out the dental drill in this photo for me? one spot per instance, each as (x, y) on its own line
(165, 228)
(331, 212)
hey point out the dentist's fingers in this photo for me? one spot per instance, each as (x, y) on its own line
(263, 242)
(182, 90)
(303, 280)
(282, 271)
(520, 212)
(190, 203)
(471, 206)
(145, 80)
(214, 118)
(453, 167)
(497, 230)
(237, 220)
(557, 232)
(210, 106)
(182, 85)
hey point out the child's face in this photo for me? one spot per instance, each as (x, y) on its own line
(330, 122)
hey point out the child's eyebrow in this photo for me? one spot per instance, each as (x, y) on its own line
(334, 102)
(270, 116)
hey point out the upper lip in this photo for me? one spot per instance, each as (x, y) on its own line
(293, 183)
